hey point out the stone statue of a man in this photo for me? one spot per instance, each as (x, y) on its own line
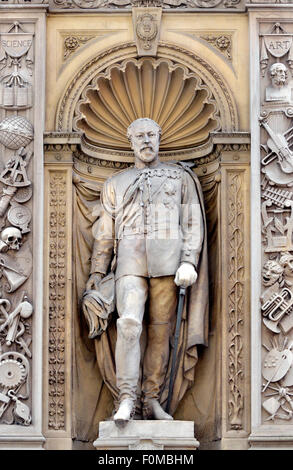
(152, 222)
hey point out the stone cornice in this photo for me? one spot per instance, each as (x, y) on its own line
(268, 6)
(24, 6)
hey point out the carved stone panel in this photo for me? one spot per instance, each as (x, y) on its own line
(235, 304)
(21, 217)
(58, 337)
(16, 282)
(16, 59)
(276, 159)
(57, 275)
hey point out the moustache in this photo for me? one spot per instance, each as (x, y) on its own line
(147, 147)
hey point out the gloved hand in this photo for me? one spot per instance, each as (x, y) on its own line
(186, 275)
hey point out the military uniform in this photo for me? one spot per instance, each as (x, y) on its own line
(151, 219)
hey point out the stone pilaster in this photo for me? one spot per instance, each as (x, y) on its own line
(58, 339)
(271, 29)
(234, 227)
(22, 105)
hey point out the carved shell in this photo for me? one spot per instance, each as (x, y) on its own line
(169, 94)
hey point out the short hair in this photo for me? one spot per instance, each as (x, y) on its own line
(131, 126)
(274, 66)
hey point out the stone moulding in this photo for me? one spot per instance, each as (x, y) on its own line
(89, 161)
(57, 286)
(234, 165)
(127, 156)
(167, 5)
(235, 296)
(147, 435)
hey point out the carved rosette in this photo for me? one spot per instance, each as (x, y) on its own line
(73, 43)
(222, 42)
(57, 288)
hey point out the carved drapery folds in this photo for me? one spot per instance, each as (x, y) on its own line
(277, 217)
(16, 303)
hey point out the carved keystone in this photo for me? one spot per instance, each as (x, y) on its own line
(146, 28)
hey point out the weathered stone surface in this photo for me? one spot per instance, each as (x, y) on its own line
(147, 435)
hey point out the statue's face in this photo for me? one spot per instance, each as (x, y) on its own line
(271, 273)
(287, 261)
(278, 74)
(145, 141)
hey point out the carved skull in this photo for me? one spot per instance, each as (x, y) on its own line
(11, 236)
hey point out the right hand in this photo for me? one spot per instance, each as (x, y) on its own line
(94, 280)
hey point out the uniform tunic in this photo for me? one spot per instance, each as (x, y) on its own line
(152, 219)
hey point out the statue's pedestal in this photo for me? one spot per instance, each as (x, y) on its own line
(147, 435)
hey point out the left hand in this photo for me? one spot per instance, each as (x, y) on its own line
(186, 275)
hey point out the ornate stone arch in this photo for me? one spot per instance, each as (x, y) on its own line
(217, 96)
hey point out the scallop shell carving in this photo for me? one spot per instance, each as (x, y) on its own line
(170, 94)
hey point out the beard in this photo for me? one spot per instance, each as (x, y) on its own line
(279, 81)
(146, 154)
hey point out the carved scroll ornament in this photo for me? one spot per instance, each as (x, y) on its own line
(96, 4)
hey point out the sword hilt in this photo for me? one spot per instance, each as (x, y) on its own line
(182, 290)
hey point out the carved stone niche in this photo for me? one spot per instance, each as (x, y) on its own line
(186, 109)
(198, 116)
(231, 152)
